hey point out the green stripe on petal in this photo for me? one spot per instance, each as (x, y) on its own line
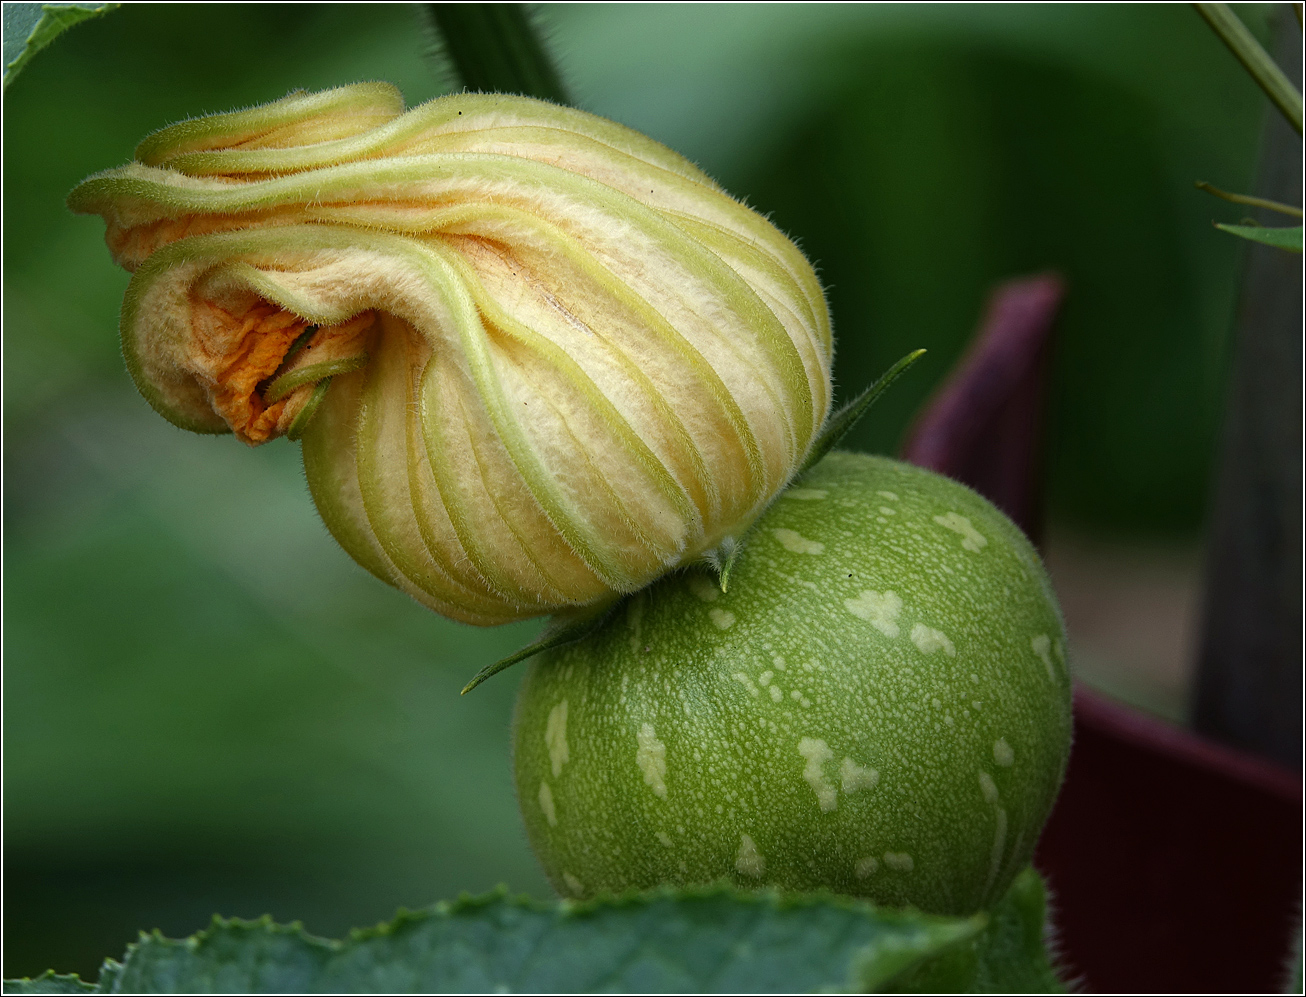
(295, 120)
(595, 364)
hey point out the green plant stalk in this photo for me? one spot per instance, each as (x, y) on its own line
(1225, 23)
(495, 47)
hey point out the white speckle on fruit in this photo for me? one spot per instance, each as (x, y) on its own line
(878, 609)
(749, 861)
(577, 888)
(928, 640)
(797, 543)
(746, 777)
(555, 738)
(1002, 753)
(546, 804)
(651, 757)
(703, 587)
(971, 538)
(1042, 646)
(746, 682)
(854, 778)
(806, 494)
(899, 861)
(723, 618)
(817, 753)
(891, 496)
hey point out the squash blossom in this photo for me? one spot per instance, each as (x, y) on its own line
(535, 358)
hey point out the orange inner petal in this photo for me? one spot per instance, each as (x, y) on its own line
(266, 334)
(263, 336)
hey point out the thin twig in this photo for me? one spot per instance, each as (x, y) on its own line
(1255, 202)
(1225, 23)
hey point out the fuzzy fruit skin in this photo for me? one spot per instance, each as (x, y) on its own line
(879, 706)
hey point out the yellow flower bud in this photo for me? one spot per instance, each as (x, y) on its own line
(536, 358)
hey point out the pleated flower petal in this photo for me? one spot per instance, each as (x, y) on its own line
(535, 358)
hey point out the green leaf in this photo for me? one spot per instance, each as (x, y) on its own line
(1279, 238)
(495, 47)
(50, 982)
(710, 939)
(1009, 956)
(561, 629)
(837, 426)
(30, 27)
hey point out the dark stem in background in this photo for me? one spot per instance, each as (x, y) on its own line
(496, 47)
(1249, 672)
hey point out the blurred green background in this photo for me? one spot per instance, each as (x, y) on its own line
(208, 707)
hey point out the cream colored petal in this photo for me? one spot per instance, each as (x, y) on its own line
(588, 363)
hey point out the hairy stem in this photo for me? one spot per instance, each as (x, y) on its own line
(496, 47)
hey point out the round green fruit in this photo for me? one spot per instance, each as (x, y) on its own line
(879, 706)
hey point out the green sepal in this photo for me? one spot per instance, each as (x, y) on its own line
(561, 629)
(723, 558)
(291, 380)
(30, 27)
(299, 424)
(837, 426)
(1287, 238)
